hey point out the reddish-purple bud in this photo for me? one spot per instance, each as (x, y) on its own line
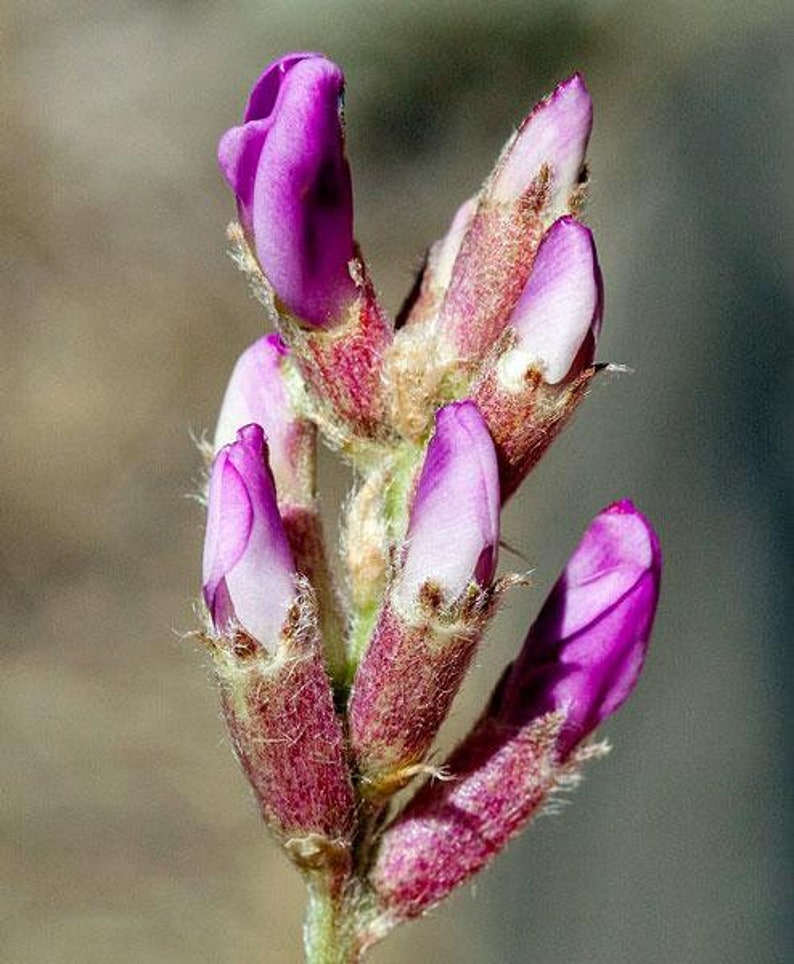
(249, 572)
(444, 253)
(431, 285)
(436, 608)
(258, 393)
(578, 665)
(289, 740)
(275, 692)
(286, 164)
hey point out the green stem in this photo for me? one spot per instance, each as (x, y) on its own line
(329, 931)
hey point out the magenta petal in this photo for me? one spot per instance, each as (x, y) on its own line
(585, 651)
(249, 573)
(239, 150)
(287, 166)
(555, 133)
(264, 94)
(453, 531)
(561, 304)
(229, 521)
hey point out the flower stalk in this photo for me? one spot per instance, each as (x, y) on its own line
(336, 679)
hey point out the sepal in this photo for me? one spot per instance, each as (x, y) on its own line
(342, 366)
(490, 788)
(287, 736)
(407, 682)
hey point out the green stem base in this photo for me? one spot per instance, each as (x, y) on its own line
(330, 934)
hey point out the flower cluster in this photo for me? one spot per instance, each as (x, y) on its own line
(334, 690)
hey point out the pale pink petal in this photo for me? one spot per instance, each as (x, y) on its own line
(453, 532)
(560, 306)
(555, 133)
(249, 573)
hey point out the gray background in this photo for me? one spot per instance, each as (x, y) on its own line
(127, 832)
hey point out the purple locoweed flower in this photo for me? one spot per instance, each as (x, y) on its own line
(286, 164)
(249, 571)
(580, 662)
(437, 606)
(287, 167)
(584, 653)
(275, 693)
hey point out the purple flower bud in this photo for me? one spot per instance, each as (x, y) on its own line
(453, 531)
(584, 653)
(529, 393)
(287, 166)
(555, 133)
(580, 662)
(257, 393)
(557, 319)
(249, 573)
(429, 627)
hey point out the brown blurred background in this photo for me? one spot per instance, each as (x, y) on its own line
(127, 832)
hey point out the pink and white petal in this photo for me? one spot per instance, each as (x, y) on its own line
(555, 133)
(560, 305)
(453, 531)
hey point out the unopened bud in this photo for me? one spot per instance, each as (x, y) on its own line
(529, 392)
(453, 532)
(269, 659)
(437, 607)
(554, 136)
(258, 393)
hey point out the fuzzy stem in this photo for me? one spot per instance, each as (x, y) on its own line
(329, 931)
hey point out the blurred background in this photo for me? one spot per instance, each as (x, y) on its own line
(127, 832)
